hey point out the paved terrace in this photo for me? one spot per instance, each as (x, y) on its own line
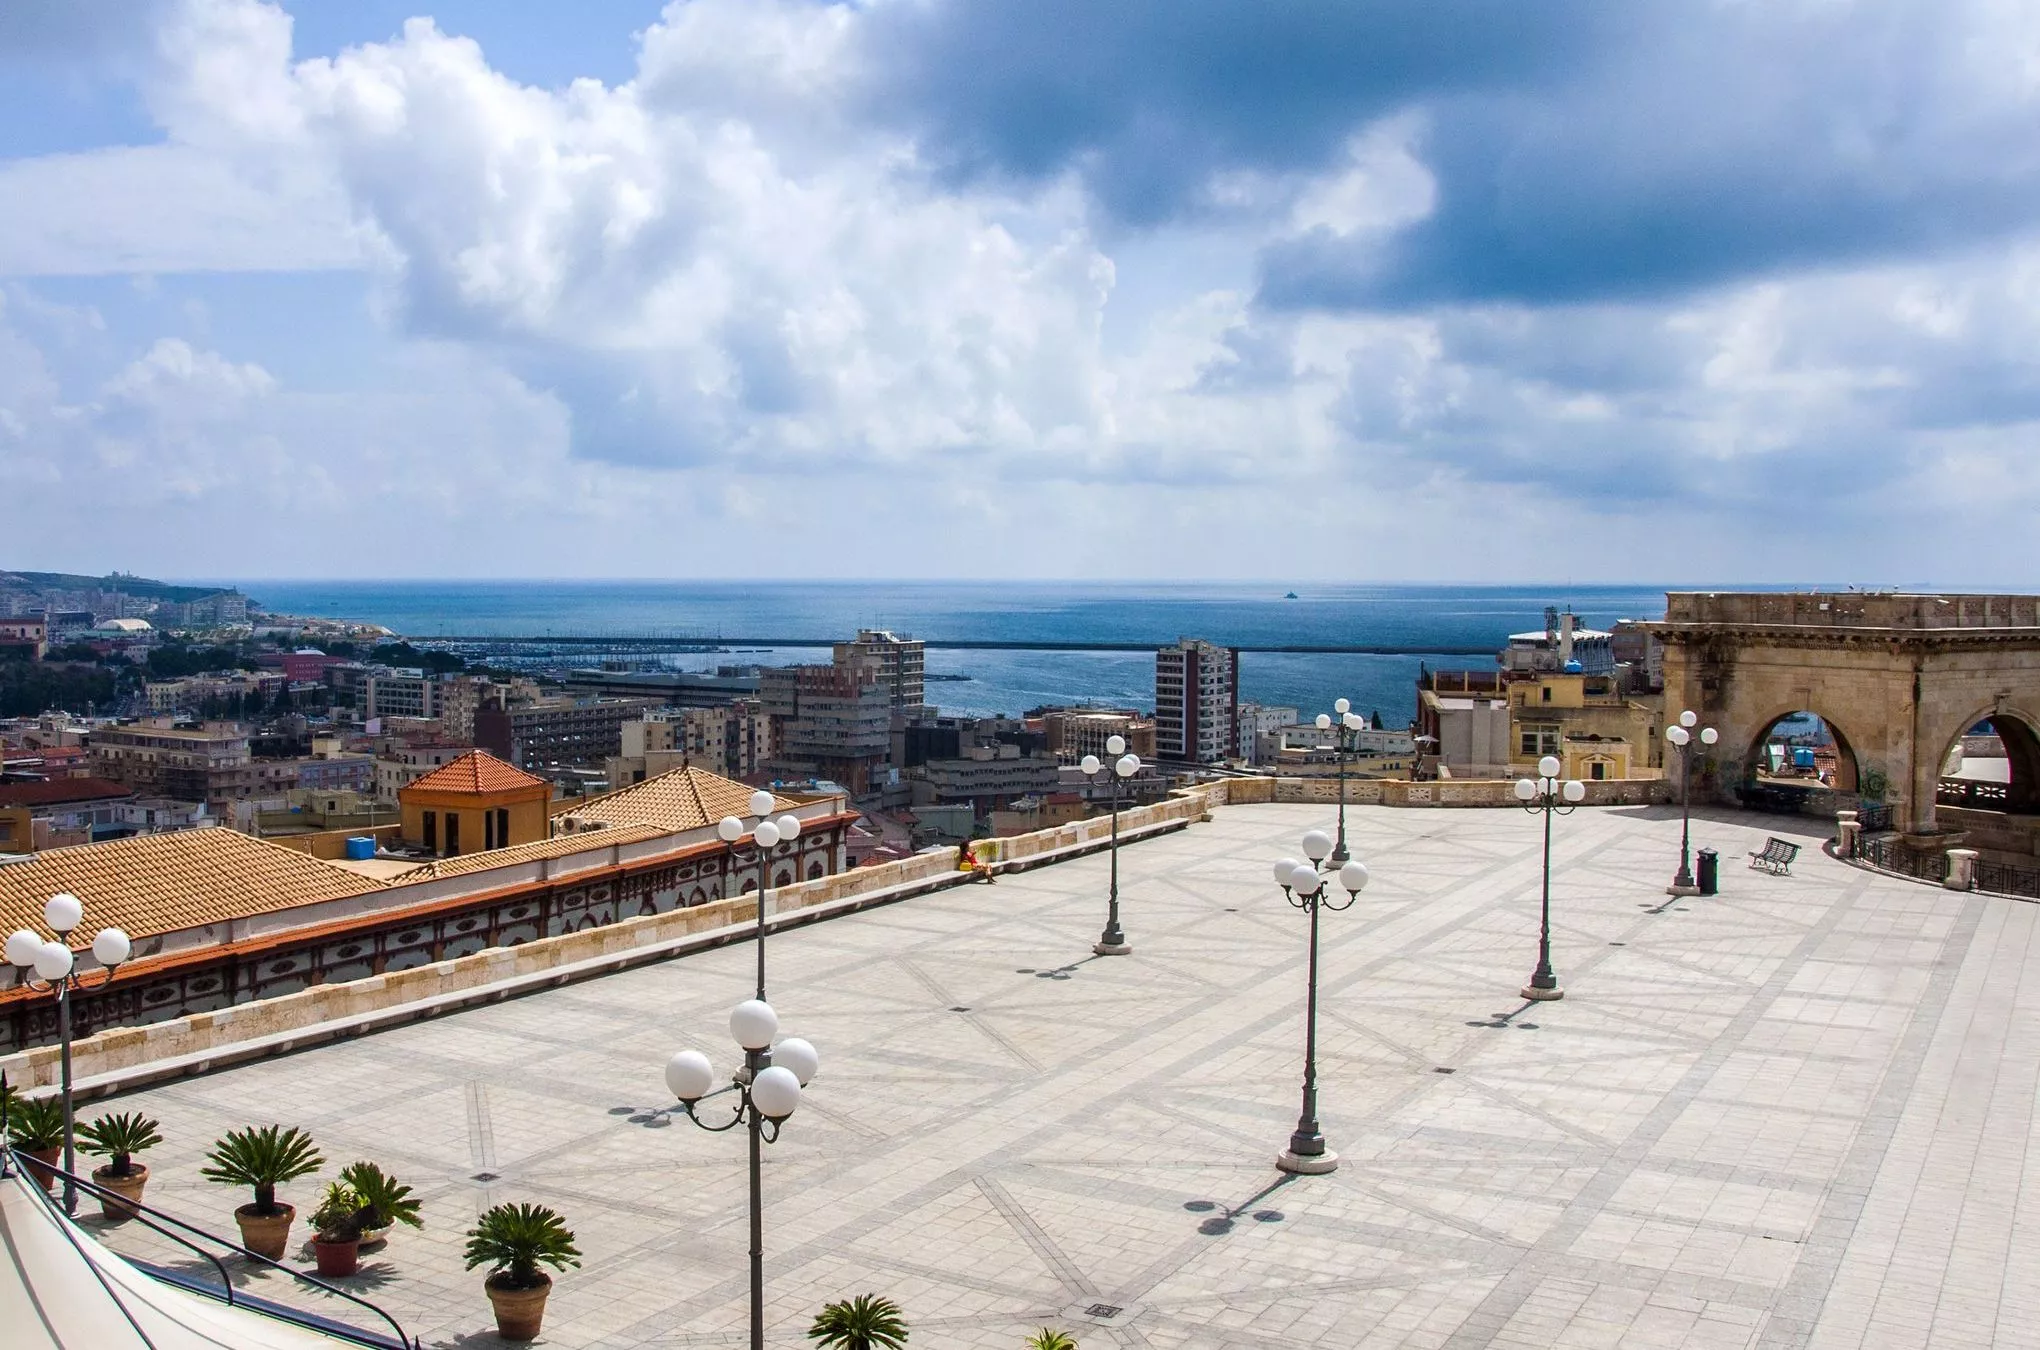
(1797, 1114)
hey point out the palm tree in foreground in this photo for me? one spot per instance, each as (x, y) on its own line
(1050, 1339)
(866, 1322)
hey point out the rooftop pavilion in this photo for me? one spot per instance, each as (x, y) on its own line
(1794, 1114)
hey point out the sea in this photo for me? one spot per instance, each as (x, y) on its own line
(983, 683)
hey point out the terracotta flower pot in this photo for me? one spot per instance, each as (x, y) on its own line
(337, 1258)
(518, 1311)
(44, 1176)
(265, 1234)
(129, 1188)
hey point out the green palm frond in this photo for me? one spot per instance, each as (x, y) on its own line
(385, 1200)
(262, 1159)
(118, 1138)
(513, 1239)
(1050, 1339)
(35, 1123)
(866, 1322)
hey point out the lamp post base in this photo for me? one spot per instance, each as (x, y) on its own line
(1307, 1164)
(1682, 888)
(1112, 948)
(1531, 991)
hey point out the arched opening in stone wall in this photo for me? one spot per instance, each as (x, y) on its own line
(1800, 763)
(1994, 765)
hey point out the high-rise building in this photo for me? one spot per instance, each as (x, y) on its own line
(899, 662)
(832, 721)
(1197, 699)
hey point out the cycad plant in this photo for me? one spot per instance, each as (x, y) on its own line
(35, 1124)
(513, 1240)
(1048, 1338)
(262, 1159)
(117, 1138)
(338, 1217)
(866, 1322)
(384, 1199)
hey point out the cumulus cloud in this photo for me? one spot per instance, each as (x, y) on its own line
(1480, 270)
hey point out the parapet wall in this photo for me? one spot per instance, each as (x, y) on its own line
(1442, 792)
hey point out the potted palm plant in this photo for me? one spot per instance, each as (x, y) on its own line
(263, 1159)
(513, 1240)
(336, 1230)
(385, 1201)
(866, 1322)
(35, 1126)
(118, 1138)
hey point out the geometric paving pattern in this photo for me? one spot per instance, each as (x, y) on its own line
(1794, 1114)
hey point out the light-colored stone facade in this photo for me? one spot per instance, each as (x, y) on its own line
(1897, 678)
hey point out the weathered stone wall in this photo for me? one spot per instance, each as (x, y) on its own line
(1896, 707)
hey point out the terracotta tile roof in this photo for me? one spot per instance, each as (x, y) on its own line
(478, 771)
(160, 883)
(59, 791)
(586, 842)
(685, 799)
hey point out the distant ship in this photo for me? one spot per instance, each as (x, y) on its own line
(1290, 596)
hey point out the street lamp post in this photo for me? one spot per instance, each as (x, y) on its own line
(1545, 793)
(1112, 942)
(1349, 722)
(56, 967)
(1304, 887)
(766, 835)
(1681, 735)
(768, 1087)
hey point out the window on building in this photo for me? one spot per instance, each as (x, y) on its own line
(432, 832)
(1544, 693)
(1600, 769)
(502, 828)
(452, 833)
(488, 829)
(1538, 741)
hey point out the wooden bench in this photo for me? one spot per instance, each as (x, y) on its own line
(1775, 857)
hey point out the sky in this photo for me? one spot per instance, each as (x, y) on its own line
(1396, 290)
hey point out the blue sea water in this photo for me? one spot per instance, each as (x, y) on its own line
(1009, 681)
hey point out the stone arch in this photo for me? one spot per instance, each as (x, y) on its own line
(1848, 766)
(815, 870)
(783, 877)
(2018, 729)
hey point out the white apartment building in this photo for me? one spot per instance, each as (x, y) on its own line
(1197, 698)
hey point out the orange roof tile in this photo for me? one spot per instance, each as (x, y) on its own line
(685, 799)
(478, 771)
(585, 842)
(161, 883)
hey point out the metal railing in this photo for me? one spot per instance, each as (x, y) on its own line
(2007, 879)
(165, 1225)
(1890, 854)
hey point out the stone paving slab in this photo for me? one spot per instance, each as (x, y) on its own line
(1796, 1114)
